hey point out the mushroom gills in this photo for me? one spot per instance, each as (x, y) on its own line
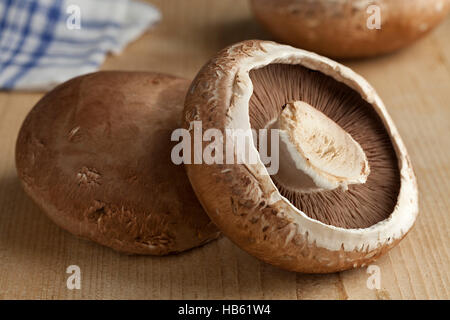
(349, 177)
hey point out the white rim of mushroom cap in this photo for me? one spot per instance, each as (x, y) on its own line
(324, 235)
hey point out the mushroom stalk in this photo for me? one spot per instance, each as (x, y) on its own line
(316, 153)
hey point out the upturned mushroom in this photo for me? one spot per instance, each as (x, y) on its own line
(94, 154)
(345, 192)
(350, 28)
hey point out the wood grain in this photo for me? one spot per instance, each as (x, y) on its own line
(415, 86)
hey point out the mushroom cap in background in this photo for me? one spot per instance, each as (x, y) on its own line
(245, 86)
(94, 154)
(339, 28)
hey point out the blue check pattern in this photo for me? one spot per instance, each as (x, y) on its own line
(38, 49)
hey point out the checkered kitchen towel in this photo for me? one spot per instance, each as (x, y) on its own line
(46, 42)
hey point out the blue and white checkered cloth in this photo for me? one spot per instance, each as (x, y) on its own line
(46, 42)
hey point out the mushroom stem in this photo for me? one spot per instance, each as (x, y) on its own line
(315, 152)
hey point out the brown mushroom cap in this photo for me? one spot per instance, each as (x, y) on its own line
(339, 29)
(246, 86)
(94, 154)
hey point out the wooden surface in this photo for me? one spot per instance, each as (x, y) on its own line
(415, 86)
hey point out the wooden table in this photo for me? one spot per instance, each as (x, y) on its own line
(415, 85)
